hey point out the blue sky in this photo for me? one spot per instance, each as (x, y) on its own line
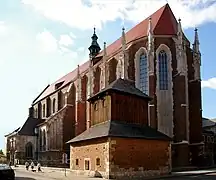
(41, 40)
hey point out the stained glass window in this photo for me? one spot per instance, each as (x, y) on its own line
(163, 70)
(144, 73)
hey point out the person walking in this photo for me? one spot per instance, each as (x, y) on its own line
(32, 165)
(39, 167)
(27, 165)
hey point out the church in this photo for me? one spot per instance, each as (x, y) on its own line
(154, 58)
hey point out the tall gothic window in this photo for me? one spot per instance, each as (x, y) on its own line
(163, 70)
(54, 102)
(29, 150)
(44, 140)
(44, 110)
(143, 73)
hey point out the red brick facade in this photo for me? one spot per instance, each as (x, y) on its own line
(76, 116)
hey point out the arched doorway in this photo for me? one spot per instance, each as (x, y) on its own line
(29, 150)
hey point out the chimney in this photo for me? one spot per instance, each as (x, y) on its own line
(31, 112)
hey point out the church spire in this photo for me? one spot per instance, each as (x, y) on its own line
(78, 71)
(94, 48)
(150, 35)
(123, 61)
(196, 42)
(79, 85)
(105, 75)
(123, 39)
(180, 34)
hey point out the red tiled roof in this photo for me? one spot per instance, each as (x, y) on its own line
(163, 23)
(66, 79)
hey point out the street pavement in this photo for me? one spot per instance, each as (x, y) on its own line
(50, 174)
(211, 176)
(23, 174)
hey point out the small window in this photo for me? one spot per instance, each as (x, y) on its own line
(77, 162)
(98, 161)
(87, 165)
(96, 106)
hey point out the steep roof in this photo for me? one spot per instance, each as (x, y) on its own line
(13, 132)
(208, 122)
(120, 129)
(29, 126)
(123, 86)
(65, 80)
(163, 23)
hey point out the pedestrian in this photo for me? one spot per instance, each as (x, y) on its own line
(39, 167)
(27, 165)
(32, 165)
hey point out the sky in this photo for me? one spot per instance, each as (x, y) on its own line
(42, 40)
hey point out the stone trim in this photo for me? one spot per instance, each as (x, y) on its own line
(87, 159)
(165, 97)
(137, 66)
(119, 68)
(181, 58)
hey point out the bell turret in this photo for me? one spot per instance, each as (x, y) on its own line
(94, 48)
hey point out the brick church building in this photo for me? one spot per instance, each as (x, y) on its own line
(157, 58)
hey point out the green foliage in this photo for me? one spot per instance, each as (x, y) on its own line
(1, 152)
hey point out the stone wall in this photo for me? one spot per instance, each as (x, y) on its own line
(90, 151)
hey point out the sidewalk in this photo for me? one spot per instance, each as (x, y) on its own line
(59, 173)
(56, 173)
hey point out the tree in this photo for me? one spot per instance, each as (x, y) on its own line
(1, 152)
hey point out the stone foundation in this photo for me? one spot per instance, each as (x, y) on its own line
(124, 173)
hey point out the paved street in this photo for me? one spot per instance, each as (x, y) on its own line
(22, 174)
(198, 177)
(49, 174)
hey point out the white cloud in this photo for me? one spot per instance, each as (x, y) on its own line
(47, 42)
(65, 40)
(210, 83)
(2, 27)
(79, 15)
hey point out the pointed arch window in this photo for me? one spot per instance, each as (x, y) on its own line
(143, 73)
(44, 110)
(163, 70)
(29, 150)
(54, 103)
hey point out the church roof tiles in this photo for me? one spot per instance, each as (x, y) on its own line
(163, 23)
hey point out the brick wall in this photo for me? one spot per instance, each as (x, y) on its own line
(131, 157)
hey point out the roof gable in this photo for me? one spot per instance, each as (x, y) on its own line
(167, 24)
